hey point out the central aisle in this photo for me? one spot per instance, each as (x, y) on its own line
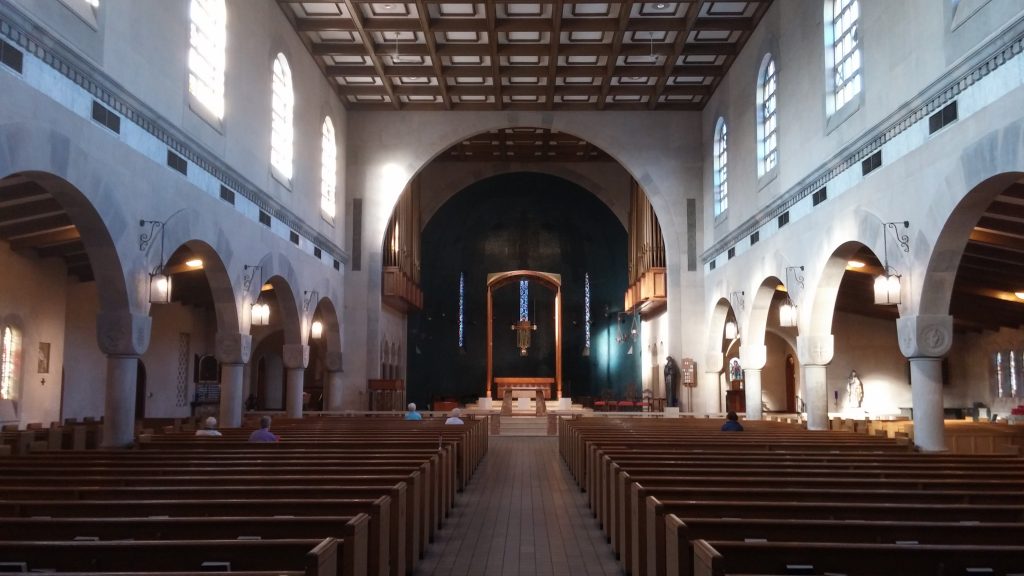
(522, 514)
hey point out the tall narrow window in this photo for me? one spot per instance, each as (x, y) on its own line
(766, 116)
(524, 299)
(282, 132)
(845, 46)
(207, 55)
(10, 364)
(721, 168)
(586, 312)
(328, 169)
(462, 309)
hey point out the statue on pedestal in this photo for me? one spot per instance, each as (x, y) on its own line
(671, 381)
(854, 391)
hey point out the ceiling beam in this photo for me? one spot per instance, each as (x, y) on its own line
(690, 18)
(47, 238)
(995, 239)
(492, 53)
(421, 8)
(357, 18)
(555, 41)
(619, 36)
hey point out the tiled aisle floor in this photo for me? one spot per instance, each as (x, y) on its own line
(522, 514)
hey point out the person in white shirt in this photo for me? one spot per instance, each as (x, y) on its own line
(209, 428)
(454, 418)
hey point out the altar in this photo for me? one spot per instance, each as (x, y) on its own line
(523, 386)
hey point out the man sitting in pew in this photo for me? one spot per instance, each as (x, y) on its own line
(732, 423)
(263, 434)
(209, 428)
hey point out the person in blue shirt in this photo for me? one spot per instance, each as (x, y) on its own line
(732, 423)
(264, 434)
(412, 414)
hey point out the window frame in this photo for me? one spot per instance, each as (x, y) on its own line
(201, 107)
(328, 175)
(282, 122)
(765, 174)
(720, 160)
(11, 362)
(835, 112)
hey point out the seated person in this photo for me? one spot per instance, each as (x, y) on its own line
(454, 418)
(209, 428)
(732, 423)
(264, 434)
(412, 414)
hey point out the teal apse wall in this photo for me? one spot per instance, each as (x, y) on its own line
(520, 221)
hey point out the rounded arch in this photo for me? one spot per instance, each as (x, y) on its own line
(327, 313)
(760, 308)
(224, 300)
(826, 291)
(942, 266)
(88, 226)
(288, 308)
(721, 312)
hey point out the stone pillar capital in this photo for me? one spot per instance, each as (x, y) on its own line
(925, 335)
(332, 361)
(815, 350)
(753, 356)
(123, 333)
(713, 361)
(233, 348)
(295, 356)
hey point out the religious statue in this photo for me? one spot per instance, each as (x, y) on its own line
(671, 380)
(854, 391)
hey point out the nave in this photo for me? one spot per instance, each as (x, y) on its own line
(522, 514)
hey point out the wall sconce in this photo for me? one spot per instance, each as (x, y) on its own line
(316, 330)
(259, 311)
(887, 285)
(789, 313)
(159, 280)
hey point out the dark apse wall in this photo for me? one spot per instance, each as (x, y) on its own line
(511, 222)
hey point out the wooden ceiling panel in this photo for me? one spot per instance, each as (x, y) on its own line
(622, 39)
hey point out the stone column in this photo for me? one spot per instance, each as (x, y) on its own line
(123, 337)
(334, 389)
(815, 353)
(753, 358)
(233, 352)
(296, 358)
(709, 393)
(925, 339)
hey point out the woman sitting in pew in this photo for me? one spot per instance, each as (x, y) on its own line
(732, 423)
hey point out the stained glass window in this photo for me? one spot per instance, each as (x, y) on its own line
(524, 297)
(586, 311)
(462, 309)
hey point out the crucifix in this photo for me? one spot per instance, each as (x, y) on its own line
(523, 329)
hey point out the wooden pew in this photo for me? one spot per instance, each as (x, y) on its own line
(680, 534)
(380, 560)
(313, 557)
(718, 558)
(350, 532)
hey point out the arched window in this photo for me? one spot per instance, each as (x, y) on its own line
(10, 362)
(842, 37)
(721, 168)
(207, 54)
(328, 169)
(282, 132)
(766, 124)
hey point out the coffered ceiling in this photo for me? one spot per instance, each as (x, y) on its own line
(512, 54)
